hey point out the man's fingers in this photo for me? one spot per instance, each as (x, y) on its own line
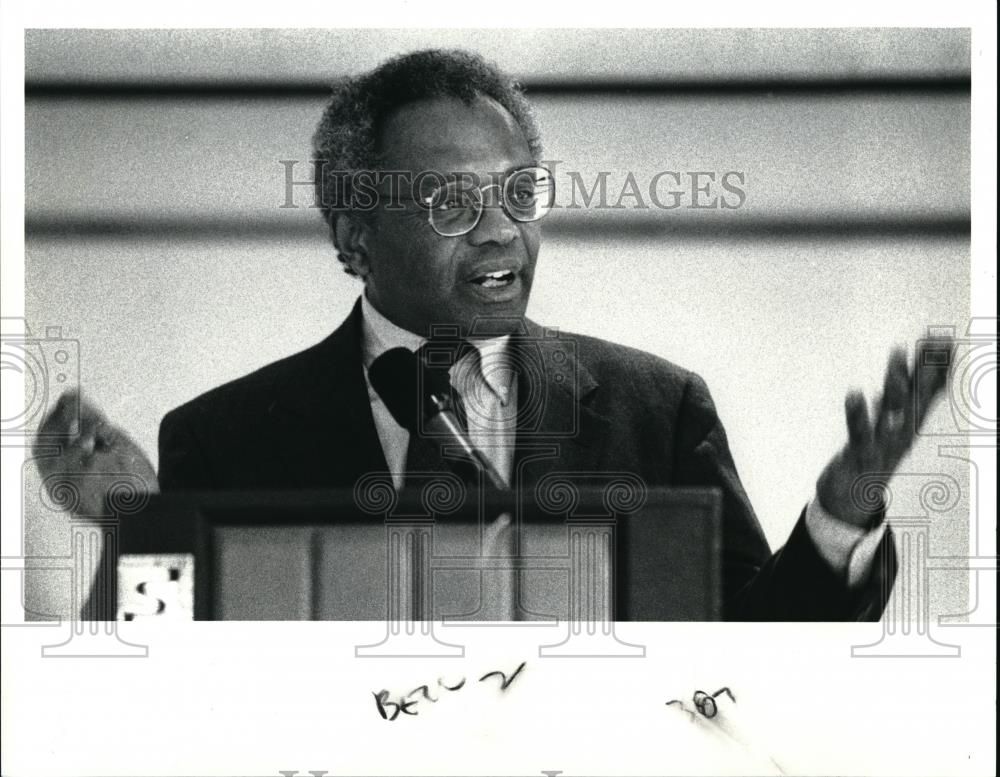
(105, 435)
(859, 430)
(894, 421)
(932, 368)
(76, 426)
(61, 417)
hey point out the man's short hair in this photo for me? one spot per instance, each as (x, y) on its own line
(346, 140)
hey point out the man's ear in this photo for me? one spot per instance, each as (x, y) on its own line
(352, 236)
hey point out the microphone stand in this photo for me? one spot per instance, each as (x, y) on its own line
(498, 534)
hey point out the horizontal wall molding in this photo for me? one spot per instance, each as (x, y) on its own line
(722, 87)
(568, 226)
(314, 55)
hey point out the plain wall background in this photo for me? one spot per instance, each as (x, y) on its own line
(155, 239)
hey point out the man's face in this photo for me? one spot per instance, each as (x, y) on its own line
(418, 278)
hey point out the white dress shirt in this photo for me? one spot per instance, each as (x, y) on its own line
(485, 381)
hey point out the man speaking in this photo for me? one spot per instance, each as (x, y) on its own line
(433, 188)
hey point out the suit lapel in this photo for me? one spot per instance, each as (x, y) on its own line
(324, 435)
(323, 428)
(558, 431)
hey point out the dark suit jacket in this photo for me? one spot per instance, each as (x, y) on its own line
(584, 406)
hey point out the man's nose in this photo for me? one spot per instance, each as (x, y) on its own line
(494, 226)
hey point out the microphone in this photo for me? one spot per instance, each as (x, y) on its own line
(413, 393)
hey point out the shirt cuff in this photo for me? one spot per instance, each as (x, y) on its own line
(848, 549)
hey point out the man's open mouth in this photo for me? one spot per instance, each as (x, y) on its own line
(495, 280)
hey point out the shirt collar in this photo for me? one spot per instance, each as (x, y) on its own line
(379, 335)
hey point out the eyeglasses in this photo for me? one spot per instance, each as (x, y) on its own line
(456, 207)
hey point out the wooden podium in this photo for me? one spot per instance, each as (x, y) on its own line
(561, 551)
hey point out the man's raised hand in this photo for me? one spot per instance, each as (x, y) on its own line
(83, 457)
(850, 486)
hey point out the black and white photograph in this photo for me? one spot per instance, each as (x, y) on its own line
(454, 399)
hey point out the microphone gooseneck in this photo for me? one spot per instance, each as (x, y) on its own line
(412, 393)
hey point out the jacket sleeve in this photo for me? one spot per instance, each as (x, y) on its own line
(794, 584)
(184, 460)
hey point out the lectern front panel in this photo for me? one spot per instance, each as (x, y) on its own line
(320, 556)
